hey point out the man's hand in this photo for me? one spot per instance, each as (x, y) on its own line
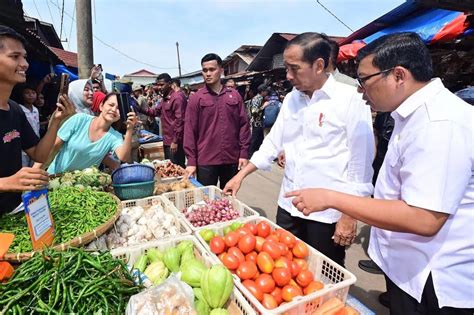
(174, 148)
(191, 171)
(310, 200)
(281, 159)
(95, 71)
(232, 186)
(346, 230)
(65, 109)
(132, 119)
(25, 179)
(242, 163)
(48, 78)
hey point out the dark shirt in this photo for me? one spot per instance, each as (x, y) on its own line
(16, 134)
(171, 110)
(216, 128)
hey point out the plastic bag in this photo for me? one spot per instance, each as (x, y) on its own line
(171, 297)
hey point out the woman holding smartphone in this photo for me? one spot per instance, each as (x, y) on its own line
(85, 140)
(80, 93)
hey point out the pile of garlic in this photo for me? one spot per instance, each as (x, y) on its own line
(137, 225)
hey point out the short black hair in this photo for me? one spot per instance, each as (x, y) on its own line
(314, 45)
(211, 57)
(177, 82)
(95, 81)
(8, 32)
(400, 49)
(261, 88)
(165, 77)
(334, 52)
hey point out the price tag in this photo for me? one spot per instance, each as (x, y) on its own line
(39, 218)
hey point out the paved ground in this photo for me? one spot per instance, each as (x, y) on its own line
(260, 191)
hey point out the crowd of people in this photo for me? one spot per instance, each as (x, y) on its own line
(321, 132)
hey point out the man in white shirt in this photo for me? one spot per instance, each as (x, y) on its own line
(423, 211)
(325, 128)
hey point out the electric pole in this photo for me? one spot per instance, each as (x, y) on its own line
(179, 63)
(85, 52)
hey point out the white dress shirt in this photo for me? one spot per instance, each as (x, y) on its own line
(429, 164)
(328, 143)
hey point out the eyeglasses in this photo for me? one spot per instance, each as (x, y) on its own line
(361, 81)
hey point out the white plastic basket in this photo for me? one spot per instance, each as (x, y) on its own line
(186, 198)
(236, 304)
(336, 279)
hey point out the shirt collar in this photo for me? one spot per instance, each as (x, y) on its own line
(327, 89)
(208, 90)
(414, 101)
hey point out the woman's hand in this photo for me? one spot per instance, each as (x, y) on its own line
(132, 119)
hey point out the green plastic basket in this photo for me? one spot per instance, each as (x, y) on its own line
(134, 190)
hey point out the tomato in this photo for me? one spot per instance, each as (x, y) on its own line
(231, 239)
(265, 282)
(295, 269)
(304, 278)
(217, 245)
(288, 239)
(246, 270)
(282, 276)
(276, 293)
(265, 262)
(243, 231)
(269, 302)
(289, 255)
(313, 286)
(272, 248)
(300, 249)
(252, 287)
(293, 283)
(263, 229)
(247, 243)
(283, 248)
(272, 238)
(288, 292)
(259, 243)
(278, 232)
(221, 256)
(283, 262)
(230, 261)
(251, 227)
(237, 253)
(302, 263)
(257, 274)
(251, 257)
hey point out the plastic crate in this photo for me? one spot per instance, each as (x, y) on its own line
(236, 304)
(336, 279)
(134, 190)
(186, 198)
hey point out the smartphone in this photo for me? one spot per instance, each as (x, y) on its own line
(63, 84)
(124, 105)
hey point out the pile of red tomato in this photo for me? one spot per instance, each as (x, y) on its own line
(271, 264)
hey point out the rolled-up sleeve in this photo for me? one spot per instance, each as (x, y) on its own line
(361, 143)
(191, 123)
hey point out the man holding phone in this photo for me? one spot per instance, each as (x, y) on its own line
(16, 133)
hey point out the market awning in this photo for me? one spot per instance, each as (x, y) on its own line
(433, 26)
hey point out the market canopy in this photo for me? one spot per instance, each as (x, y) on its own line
(433, 26)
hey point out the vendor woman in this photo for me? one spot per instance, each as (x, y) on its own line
(85, 140)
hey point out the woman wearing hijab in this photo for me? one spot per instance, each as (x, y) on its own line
(85, 140)
(80, 93)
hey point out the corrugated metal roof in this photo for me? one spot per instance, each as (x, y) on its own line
(68, 57)
(142, 73)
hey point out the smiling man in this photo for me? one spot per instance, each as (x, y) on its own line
(16, 133)
(325, 129)
(216, 129)
(423, 206)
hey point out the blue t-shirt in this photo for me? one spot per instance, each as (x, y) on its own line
(78, 151)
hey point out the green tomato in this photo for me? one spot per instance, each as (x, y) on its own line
(207, 235)
(227, 229)
(234, 226)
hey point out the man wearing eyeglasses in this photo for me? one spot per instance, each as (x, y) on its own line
(423, 208)
(325, 129)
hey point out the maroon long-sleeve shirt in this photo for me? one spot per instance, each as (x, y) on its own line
(171, 110)
(216, 128)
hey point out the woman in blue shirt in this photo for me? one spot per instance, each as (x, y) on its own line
(85, 140)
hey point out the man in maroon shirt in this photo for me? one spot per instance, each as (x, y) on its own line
(216, 128)
(171, 110)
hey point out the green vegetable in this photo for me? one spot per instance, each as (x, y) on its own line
(216, 285)
(187, 255)
(54, 184)
(227, 229)
(235, 225)
(207, 235)
(201, 307)
(184, 245)
(192, 271)
(154, 254)
(156, 272)
(141, 262)
(171, 259)
(219, 311)
(198, 294)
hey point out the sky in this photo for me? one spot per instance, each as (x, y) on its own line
(147, 30)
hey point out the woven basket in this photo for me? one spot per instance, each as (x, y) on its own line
(75, 242)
